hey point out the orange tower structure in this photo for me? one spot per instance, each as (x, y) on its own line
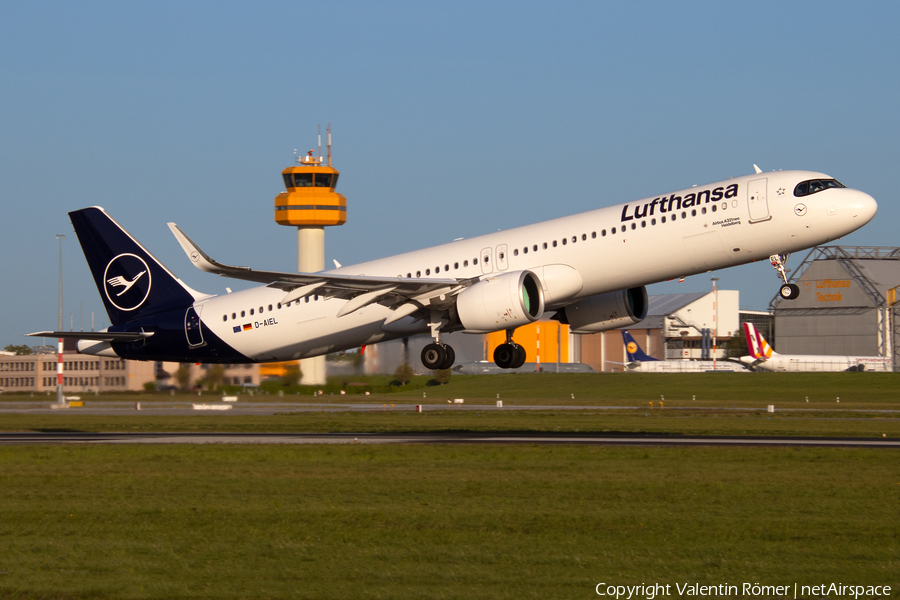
(310, 204)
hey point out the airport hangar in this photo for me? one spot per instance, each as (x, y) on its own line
(847, 305)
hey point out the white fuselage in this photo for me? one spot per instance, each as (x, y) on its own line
(745, 219)
(685, 366)
(818, 363)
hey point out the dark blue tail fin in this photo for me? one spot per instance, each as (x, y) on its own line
(132, 283)
(634, 351)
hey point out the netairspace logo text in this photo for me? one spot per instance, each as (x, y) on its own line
(743, 590)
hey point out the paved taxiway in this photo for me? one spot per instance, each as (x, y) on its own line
(433, 438)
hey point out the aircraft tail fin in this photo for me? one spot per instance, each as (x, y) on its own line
(759, 347)
(132, 283)
(764, 348)
(633, 350)
(752, 344)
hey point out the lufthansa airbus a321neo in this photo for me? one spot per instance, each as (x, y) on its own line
(590, 270)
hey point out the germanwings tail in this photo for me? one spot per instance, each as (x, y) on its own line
(634, 351)
(131, 282)
(759, 347)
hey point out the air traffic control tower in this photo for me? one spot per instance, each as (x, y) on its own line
(310, 204)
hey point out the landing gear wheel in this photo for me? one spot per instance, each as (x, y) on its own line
(509, 356)
(505, 356)
(521, 355)
(434, 356)
(438, 356)
(451, 358)
(789, 291)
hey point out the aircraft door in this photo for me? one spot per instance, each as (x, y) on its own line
(757, 202)
(502, 259)
(486, 266)
(192, 329)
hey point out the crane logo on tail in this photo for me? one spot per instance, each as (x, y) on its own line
(127, 281)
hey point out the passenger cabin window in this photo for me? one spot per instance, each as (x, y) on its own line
(805, 188)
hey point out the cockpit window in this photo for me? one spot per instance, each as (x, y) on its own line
(805, 188)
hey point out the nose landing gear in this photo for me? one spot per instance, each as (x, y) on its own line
(788, 291)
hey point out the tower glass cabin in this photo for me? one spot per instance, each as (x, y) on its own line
(310, 198)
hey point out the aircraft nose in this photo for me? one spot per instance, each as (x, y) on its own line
(863, 206)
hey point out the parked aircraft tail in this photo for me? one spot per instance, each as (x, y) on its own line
(759, 347)
(633, 350)
(132, 283)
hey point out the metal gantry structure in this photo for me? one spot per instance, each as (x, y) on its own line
(887, 308)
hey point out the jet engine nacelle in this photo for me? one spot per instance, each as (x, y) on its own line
(501, 302)
(605, 311)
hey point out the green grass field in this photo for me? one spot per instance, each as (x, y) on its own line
(694, 404)
(461, 521)
(876, 390)
(673, 422)
(437, 521)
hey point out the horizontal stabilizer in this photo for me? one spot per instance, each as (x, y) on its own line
(119, 337)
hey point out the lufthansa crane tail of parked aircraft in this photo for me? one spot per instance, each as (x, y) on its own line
(640, 362)
(589, 269)
(764, 358)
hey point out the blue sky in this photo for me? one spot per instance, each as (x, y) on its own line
(449, 120)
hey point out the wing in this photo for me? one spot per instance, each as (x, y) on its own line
(100, 336)
(405, 295)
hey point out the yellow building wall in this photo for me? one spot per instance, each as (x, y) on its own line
(267, 370)
(540, 340)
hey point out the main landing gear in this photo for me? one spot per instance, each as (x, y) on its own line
(509, 355)
(437, 356)
(788, 291)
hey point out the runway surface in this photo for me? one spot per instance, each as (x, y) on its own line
(70, 437)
